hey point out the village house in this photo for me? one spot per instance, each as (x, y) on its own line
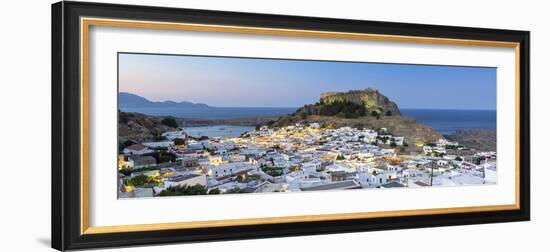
(312, 167)
(137, 149)
(296, 176)
(302, 158)
(143, 192)
(215, 160)
(162, 144)
(341, 185)
(366, 179)
(224, 170)
(171, 135)
(407, 173)
(185, 180)
(189, 162)
(141, 161)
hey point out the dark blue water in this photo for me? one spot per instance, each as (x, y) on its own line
(212, 112)
(448, 121)
(222, 131)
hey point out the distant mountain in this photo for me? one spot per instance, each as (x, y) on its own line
(128, 101)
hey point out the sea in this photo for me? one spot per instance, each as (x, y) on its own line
(212, 112)
(222, 131)
(445, 121)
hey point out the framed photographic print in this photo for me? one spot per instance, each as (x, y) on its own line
(179, 125)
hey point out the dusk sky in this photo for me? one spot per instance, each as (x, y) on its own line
(242, 82)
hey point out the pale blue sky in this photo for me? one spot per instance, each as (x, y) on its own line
(245, 82)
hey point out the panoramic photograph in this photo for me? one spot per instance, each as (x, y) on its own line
(209, 125)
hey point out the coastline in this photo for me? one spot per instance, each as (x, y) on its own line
(478, 138)
(445, 121)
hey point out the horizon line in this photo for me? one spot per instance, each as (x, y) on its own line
(289, 107)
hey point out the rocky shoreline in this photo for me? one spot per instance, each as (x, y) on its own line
(244, 121)
(478, 139)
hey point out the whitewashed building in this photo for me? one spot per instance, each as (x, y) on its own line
(137, 149)
(189, 179)
(171, 135)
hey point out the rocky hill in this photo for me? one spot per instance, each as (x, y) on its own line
(361, 108)
(371, 99)
(351, 104)
(478, 139)
(139, 127)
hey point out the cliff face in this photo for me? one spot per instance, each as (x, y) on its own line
(371, 99)
(352, 104)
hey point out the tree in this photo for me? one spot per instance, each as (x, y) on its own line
(166, 157)
(215, 191)
(383, 139)
(179, 141)
(184, 190)
(254, 177)
(345, 109)
(241, 178)
(480, 159)
(340, 157)
(236, 190)
(458, 159)
(170, 122)
(328, 125)
(388, 113)
(375, 113)
(258, 127)
(128, 143)
(295, 168)
(272, 171)
(125, 171)
(159, 137)
(138, 180)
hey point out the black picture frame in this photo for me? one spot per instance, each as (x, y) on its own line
(66, 141)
